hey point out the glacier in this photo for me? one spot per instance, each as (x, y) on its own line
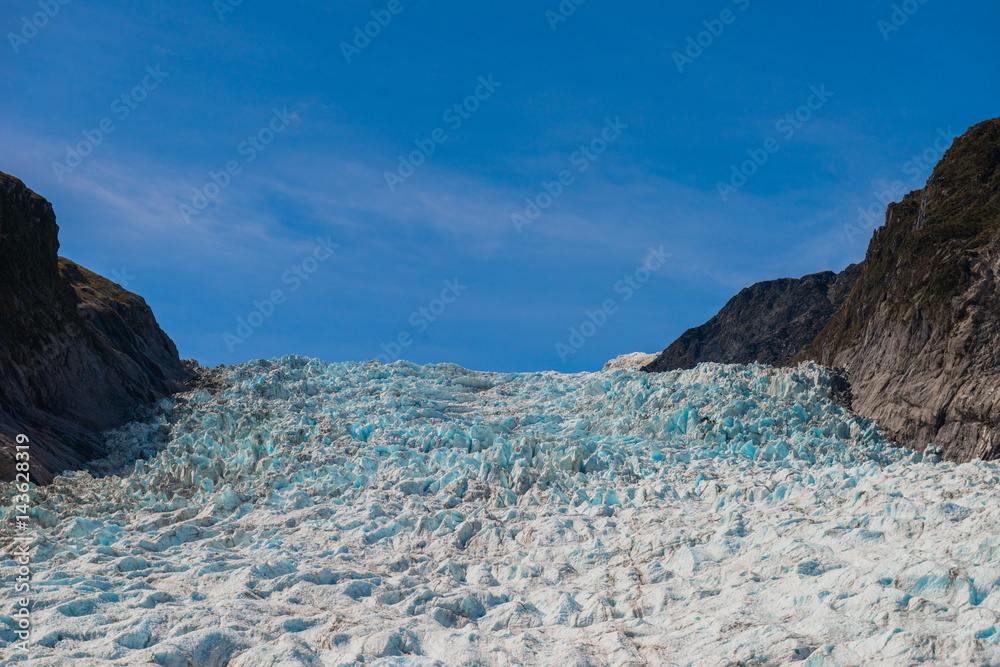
(298, 512)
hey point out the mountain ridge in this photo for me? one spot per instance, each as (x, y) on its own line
(768, 322)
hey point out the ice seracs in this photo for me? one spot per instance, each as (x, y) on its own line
(305, 513)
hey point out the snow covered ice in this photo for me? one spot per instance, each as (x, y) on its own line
(305, 513)
(633, 360)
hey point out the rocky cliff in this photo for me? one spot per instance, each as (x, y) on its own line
(769, 322)
(916, 325)
(919, 334)
(77, 352)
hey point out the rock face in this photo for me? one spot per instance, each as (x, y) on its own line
(920, 333)
(77, 352)
(769, 322)
(916, 325)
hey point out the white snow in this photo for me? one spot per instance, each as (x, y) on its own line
(633, 360)
(341, 514)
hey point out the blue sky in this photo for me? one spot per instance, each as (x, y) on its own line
(201, 82)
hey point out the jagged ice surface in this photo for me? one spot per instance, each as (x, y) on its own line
(336, 514)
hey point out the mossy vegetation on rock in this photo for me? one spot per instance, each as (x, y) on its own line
(920, 332)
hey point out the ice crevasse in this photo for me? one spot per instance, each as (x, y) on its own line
(296, 512)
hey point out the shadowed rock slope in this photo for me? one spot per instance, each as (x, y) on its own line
(919, 334)
(769, 322)
(77, 352)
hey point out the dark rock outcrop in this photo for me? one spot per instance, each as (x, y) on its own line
(769, 322)
(920, 333)
(77, 352)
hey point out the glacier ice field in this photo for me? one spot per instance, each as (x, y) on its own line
(296, 512)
